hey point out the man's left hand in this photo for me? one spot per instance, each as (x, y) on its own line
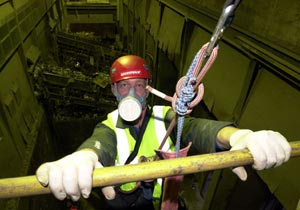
(268, 148)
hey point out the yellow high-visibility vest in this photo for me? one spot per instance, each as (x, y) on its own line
(152, 138)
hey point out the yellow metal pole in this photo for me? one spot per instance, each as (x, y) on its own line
(28, 185)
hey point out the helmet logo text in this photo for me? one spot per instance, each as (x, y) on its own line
(130, 73)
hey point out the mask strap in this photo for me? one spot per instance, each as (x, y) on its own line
(116, 93)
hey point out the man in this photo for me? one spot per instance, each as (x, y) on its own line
(135, 130)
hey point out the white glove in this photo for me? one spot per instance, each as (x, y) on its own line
(71, 175)
(109, 192)
(268, 148)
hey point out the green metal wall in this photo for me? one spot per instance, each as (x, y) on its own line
(254, 81)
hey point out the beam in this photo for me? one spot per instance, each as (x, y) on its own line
(114, 175)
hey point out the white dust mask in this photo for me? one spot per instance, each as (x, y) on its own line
(130, 106)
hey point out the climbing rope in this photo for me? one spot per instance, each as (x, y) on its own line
(190, 89)
(189, 92)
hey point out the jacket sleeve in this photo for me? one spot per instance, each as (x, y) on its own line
(103, 141)
(202, 133)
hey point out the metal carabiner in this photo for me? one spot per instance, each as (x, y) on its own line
(223, 22)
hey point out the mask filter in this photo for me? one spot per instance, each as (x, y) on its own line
(130, 107)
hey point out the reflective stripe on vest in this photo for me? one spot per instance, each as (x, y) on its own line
(125, 142)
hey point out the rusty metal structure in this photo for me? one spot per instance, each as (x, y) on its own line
(79, 81)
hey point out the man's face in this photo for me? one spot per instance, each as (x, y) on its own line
(139, 86)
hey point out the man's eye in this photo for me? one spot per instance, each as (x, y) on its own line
(140, 85)
(123, 85)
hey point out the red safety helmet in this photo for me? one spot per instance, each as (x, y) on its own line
(129, 67)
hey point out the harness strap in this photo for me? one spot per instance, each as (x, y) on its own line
(139, 139)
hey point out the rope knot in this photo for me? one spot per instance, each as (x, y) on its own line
(186, 96)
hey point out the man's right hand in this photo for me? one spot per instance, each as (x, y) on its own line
(71, 175)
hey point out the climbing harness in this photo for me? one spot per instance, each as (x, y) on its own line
(189, 92)
(190, 89)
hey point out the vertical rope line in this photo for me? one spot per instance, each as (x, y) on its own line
(187, 90)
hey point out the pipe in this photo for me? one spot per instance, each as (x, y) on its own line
(28, 185)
